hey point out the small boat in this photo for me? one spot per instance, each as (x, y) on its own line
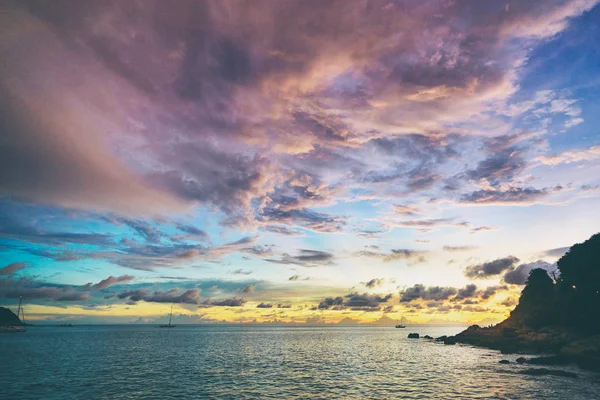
(169, 325)
(16, 328)
(402, 323)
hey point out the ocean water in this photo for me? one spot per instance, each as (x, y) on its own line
(264, 362)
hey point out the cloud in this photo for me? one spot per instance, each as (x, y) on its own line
(248, 289)
(298, 278)
(519, 275)
(12, 268)
(508, 196)
(241, 271)
(467, 292)
(192, 231)
(572, 156)
(175, 295)
(282, 230)
(259, 125)
(373, 283)
(420, 291)
(405, 210)
(111, 280)
(411, 256)
(557, 252)
(259, 251)
(264, 305)
(305, 258)
(491, 268)
(31, 289)
(459, 248)
(307, 219)
(483, 229)
(233, 302)
(355, 301)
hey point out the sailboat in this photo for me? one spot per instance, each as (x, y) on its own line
(169, 325)
(402, 323)
(16, 328)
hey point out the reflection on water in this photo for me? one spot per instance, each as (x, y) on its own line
(259, 362)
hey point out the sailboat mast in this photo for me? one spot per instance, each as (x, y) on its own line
(20, 310)
(171, 315)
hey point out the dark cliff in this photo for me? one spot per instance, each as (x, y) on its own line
(559, 315)
(8, 318)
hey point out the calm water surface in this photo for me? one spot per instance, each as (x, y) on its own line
(264, 362)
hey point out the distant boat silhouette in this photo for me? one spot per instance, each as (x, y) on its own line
(16, 328)
(169, 325)
(402, 323)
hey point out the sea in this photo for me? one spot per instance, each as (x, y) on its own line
(265, 362)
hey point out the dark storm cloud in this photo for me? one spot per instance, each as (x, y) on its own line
(519, 275)
(490, 269)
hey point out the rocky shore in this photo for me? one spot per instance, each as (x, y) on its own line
(560, 345)
(556, 316)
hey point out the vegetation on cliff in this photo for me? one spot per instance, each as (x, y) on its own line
(571, 300)
(558, 314)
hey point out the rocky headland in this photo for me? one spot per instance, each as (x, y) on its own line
(558, 316)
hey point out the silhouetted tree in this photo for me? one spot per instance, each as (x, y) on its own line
(579, 285)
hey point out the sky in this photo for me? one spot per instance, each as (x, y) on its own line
(293, 161)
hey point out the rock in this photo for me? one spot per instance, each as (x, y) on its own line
(441, 338)
(551, 360)
(504, 362)
(427, 337)
(546, 371)
(413, 335)
(450, 340)
(521, 360)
